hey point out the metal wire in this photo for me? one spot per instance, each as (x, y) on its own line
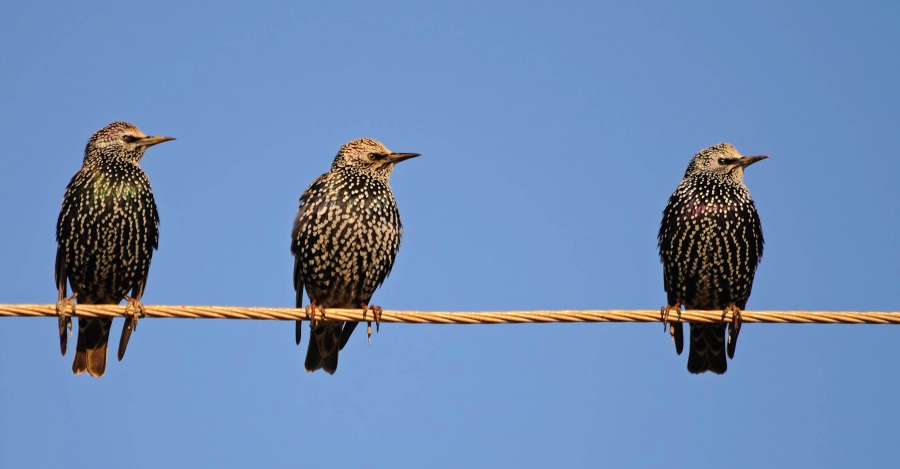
(445, 317)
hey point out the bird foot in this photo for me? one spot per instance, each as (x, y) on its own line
(734, 328)
(376, 312)
(65, 320)
(664, 316)
(311, 310)
(134, 310)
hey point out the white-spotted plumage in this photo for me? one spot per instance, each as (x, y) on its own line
(345, 238)
(106, 233)
(710, 244)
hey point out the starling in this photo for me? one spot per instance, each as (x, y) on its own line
(345, 239)
(710, 243)
(105, 236)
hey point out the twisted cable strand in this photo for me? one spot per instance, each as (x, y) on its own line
(445, 317)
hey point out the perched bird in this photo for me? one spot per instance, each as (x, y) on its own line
(710, 243)
(105, 236)
(345, 239)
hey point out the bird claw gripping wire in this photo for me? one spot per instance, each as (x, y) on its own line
(65, 320)
(734, 328)
(134, 310)
(664, 316)
(376, 312)
(311, 313)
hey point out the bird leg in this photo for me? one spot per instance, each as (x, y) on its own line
(376, 311)
(311, 313)
(664, 316)
(365, 309)
(734, 329)
(65, 319)
(134, 310)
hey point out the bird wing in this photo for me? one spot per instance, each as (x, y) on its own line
(152, 242)
(306, 214)
(665, 241)
(298, 283)
(754, 236)
(63, 234)
(61, 271)
(387, 205)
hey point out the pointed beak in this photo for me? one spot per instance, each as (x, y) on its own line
(398, 157)
(748, 160)
(147, 142)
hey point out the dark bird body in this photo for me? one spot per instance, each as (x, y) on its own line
(345, 239)
(106, 233)
(710, 243)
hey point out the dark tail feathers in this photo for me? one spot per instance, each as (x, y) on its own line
(707, 348)
(90, 353)
(324, 343)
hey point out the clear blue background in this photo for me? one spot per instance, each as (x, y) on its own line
(552, 136)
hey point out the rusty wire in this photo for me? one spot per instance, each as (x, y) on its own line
(444, 317)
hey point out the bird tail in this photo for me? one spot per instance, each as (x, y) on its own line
(324, 344)
(90, 353)
(707, 348)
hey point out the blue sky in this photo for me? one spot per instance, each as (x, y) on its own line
(551, 136)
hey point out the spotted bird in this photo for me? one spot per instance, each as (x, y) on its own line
(710, 243)
(107, 230)
(344, 241)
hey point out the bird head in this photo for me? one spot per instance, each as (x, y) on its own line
(722, 160)
(369, 157)
(122, 141)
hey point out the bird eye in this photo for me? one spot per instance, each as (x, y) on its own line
(375, 156)
(130, 138)
(723, 161)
